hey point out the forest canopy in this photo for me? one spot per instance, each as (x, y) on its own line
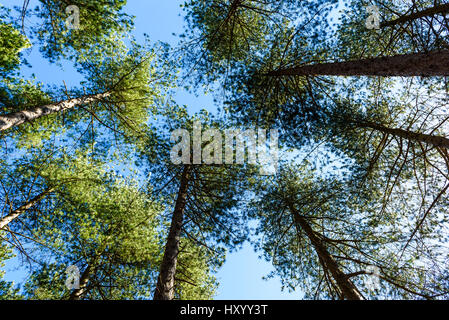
(326, 149)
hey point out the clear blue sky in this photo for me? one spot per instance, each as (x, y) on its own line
(241, 276)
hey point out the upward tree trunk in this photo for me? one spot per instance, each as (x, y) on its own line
(78, 294)
(232, 10)
(165, 288)
(408, 65)
(17, 118)
(421, 14)
(348, 289)
(436, 141)
(16, 213)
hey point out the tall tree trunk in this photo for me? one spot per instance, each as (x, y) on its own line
(408, 65)
(78, 294)
(165, 288)
(348, 289)
(436, 141)
(14, 214)
(17, 118)
(444, 8)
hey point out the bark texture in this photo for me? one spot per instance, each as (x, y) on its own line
(436, 141)
(348, 289)
(441, 9)
(78, 294)
(408, 65)
(23, 208)
(165, 288)
(17, 118)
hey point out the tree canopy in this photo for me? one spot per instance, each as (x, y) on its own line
(112, 189)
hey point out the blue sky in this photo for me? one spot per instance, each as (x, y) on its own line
(241, 276)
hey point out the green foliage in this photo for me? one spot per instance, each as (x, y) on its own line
(94, 217)
(7, 289)
(105, 222)
(371, 188)
(100, 22)
(194, 279)
(11, 44)
(228, 36)
(136, 79)
(345, 219)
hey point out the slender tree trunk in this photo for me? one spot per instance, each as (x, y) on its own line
(436, 141)
(441, 9)
(165, 288)
(14, 214)
(17, 118)
(346, 286)
(408, 65)
(78, 294)
(232, 10)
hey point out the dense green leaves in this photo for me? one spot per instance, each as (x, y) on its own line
(364, 164)
(100, 23)
(11, 44)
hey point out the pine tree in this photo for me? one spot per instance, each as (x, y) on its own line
(323, 238)
(109, 229)
(204, 198)
(99, 23)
